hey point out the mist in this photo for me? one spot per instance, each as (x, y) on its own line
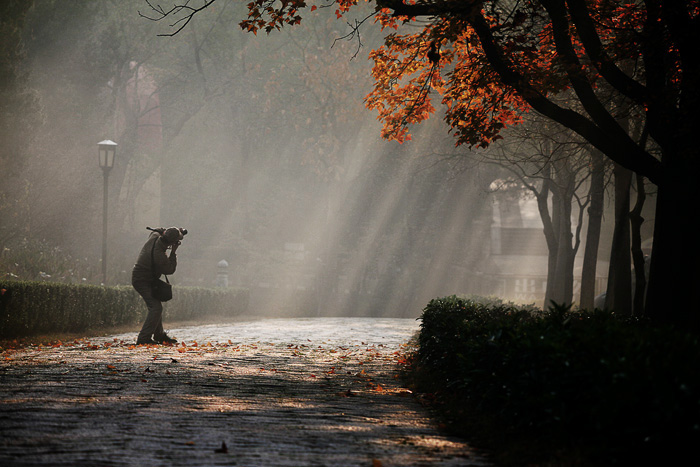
(261, 147)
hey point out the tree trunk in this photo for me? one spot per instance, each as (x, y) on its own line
(563, 198)
(557, 254)
(636, 221)
(595, 219)
(558, 233)
(549, 234)
(562, 291)
(619, 292)
(675, 275)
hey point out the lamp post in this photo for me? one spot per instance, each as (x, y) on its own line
(106, 150)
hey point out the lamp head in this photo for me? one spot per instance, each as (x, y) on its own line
(106, 150)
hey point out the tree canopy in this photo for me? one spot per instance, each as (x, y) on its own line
(493, 61)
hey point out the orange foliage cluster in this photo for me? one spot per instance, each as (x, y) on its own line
(269, 15)
(265, 15)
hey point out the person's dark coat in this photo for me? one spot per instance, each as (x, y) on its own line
(146, 269)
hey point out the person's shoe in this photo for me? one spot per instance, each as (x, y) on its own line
(165, 339)
(146, 341)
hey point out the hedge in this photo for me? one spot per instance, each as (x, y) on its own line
(614, 389)
(32, 308)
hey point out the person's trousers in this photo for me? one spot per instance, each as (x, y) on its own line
(153, 326)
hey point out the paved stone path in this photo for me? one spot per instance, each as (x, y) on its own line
(303, 392)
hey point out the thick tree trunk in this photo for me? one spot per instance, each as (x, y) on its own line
(595, 220)
(564, 275)
(619, 292)
(672, 295)
(560, 274)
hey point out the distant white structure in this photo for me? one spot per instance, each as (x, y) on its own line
(222, 273)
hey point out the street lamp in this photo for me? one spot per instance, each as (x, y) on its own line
(106, 150)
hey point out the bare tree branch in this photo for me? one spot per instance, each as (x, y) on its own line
(179, 23)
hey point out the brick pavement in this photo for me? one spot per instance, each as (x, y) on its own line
(314, 392)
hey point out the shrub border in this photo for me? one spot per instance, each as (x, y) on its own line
(30, 308)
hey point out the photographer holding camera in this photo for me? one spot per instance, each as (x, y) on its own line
(153, 261)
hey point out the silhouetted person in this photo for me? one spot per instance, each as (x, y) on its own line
(151, 263)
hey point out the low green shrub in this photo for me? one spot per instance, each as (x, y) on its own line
(32, 308)
(615, 388)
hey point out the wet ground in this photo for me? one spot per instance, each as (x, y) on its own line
(301, 392)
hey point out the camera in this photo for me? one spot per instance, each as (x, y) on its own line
(162, 231)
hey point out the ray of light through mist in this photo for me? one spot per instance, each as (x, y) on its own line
(261, 147)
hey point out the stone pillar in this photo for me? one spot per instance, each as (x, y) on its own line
(222, 273)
